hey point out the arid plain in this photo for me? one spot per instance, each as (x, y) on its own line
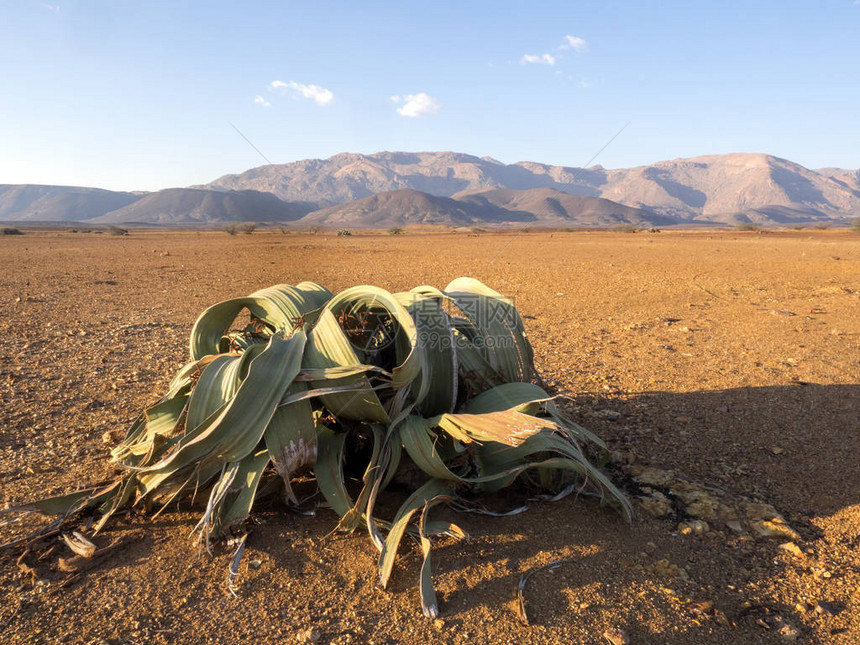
(721, 368)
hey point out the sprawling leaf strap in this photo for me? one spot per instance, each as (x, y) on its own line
(350, 390)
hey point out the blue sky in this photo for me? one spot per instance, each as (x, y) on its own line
(139, 94)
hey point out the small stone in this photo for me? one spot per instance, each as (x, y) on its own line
(777, 450)
(821, 574)
(309, 635)
(652, 476)
(693, 527)
(255, 564)
(616, 636)
(775, 528)
(792, 548)
(108, 437)
(706, 507)
(827, 608)
(682, 419)
(758, 511)
(623, 458)
(789, 633)
(657, 504)
(439, 623)
(609, 415)
(702, 608)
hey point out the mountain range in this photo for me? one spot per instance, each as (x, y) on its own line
(188, 206)
(35, 203)
(446, 188)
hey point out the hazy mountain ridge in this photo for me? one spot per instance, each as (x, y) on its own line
(848, 178)
(400, 188)
(551, 207)
(688, 189)
(174, 206)
(403, 207)
(492, 206)
(34, 202)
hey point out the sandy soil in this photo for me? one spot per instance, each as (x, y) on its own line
(725, 364)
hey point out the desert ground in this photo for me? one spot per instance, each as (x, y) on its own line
(721, 368)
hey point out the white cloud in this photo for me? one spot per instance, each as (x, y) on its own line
(259, 100)
(543, 59)
(320, 95)
(420, 104)
(575, 43)
(584, 83)
(395, 99)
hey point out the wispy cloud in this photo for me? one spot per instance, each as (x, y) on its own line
(413, 105)
(320, 95)
(585, 83)
(259, 100)
(543, 59)
(575, 43)
(54, 8)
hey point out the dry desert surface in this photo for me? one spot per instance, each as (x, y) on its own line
(721, 368)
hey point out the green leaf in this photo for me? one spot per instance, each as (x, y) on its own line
(430, 490)
(238, 503)
(240, 424)
(499, 327)
(329, 470)
(524, 397)
(328, 347)
(280, 306)
(436, 385)
(291, 437)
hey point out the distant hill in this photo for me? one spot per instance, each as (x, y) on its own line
(550, 207)
(347, 177)
(405, 207)
(538, 207)
(771, 216)
(401, 188)
(32, 202)
(718, 184)
(848, 178)
(175, 206)
(700, 188)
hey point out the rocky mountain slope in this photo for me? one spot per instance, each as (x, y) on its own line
(551, 207)
(405, 207)
(539, 207)
(401, 188)
(848, 178)
(716, 187)
(33, 203)
(195, 206)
